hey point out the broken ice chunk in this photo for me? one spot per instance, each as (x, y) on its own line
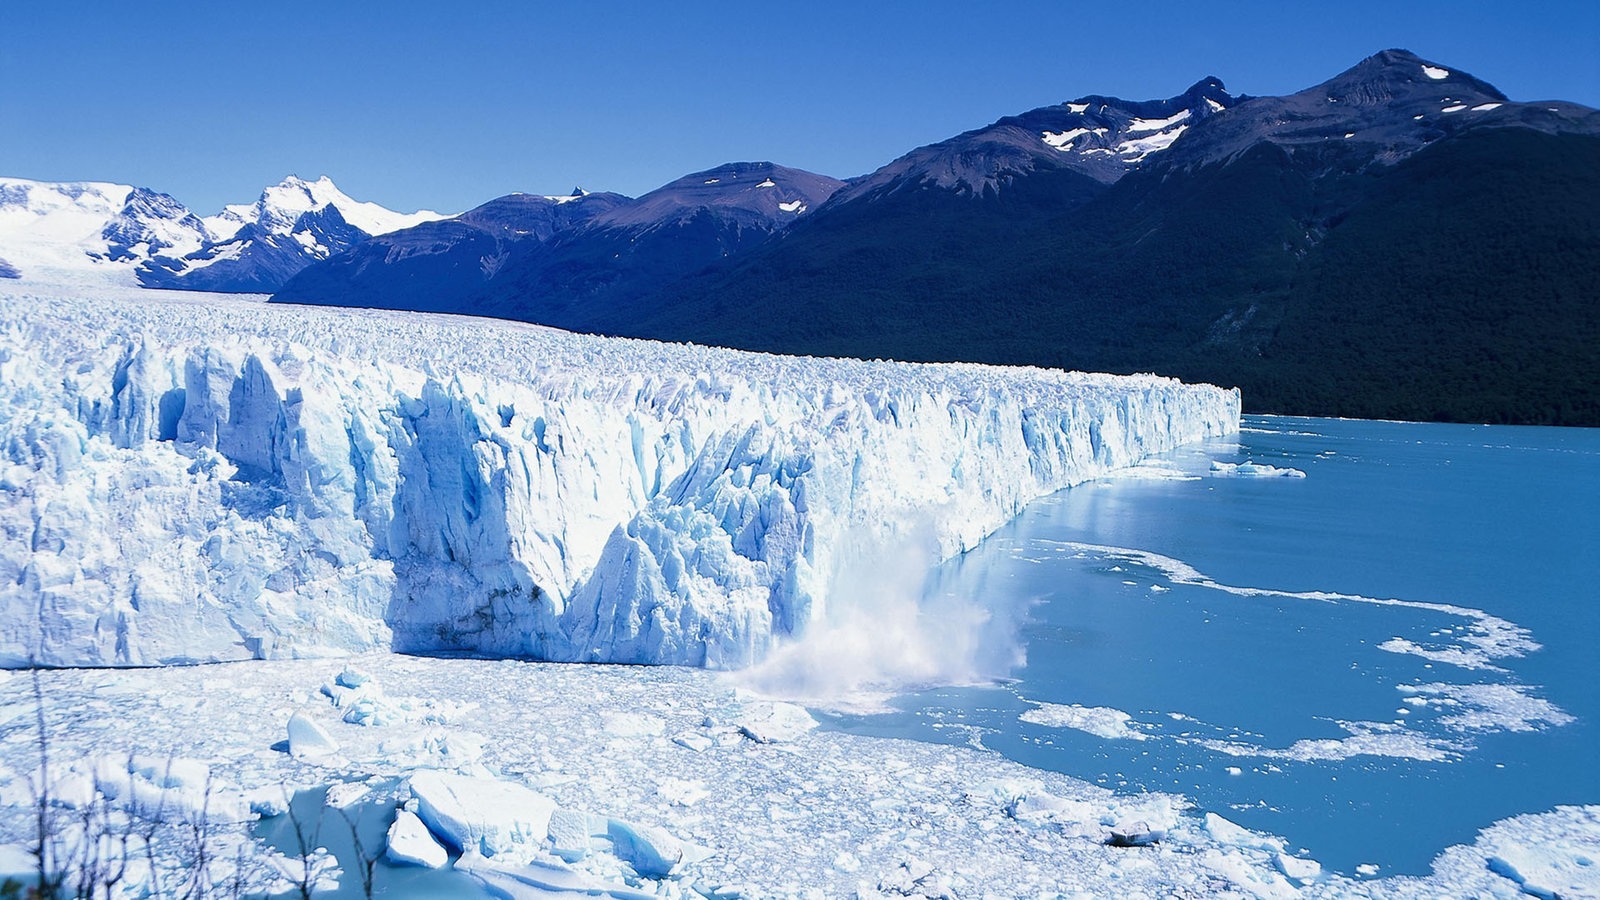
(410, 843)
(653, 852)
(693, 740)
(307, 739)
(482, 814)
(771, 723)
(366, 711)
(1136, 834)
(1297, 868)
(569, 834)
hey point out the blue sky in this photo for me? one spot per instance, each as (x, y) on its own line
(446, 105)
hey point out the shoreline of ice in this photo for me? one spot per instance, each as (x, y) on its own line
(787, 812)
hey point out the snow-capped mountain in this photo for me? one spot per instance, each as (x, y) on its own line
(1101, 137)
(257, 247)
(92, 232)
(216, 480)
(282, 205)
(103, 233)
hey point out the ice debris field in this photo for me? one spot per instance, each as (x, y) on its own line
(520, 779)
(195, 479)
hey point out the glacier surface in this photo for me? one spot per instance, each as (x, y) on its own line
(191, 478)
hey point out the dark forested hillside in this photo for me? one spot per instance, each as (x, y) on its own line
(1462, 284)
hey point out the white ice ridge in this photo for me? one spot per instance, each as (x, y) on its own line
(189, 479)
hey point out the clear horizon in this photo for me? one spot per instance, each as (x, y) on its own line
(423, 108)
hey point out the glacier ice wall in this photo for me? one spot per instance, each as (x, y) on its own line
(188, 479)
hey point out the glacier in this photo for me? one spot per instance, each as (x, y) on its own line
(191, 478)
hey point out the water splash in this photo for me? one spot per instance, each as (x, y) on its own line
(893, 623)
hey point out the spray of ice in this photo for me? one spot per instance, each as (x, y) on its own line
(891, 625)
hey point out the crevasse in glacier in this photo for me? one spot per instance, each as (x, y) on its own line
(194, 478)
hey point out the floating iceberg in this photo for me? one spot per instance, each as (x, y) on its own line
(192, 478)
(1249, 469)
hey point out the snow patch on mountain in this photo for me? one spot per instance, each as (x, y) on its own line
(1139, 148)
(189, 481)
(757, 195)
(281, 206)
(1159, 124)
(1101, 137)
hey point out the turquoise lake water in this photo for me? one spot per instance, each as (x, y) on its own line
(1270, 681)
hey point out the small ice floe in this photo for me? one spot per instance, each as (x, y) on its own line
(1382, 739)
(536, 880)
(1250, 469)
(1100, 721)
(1487, 707)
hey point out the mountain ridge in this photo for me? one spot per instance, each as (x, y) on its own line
(593, 251)
(1218, 258)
